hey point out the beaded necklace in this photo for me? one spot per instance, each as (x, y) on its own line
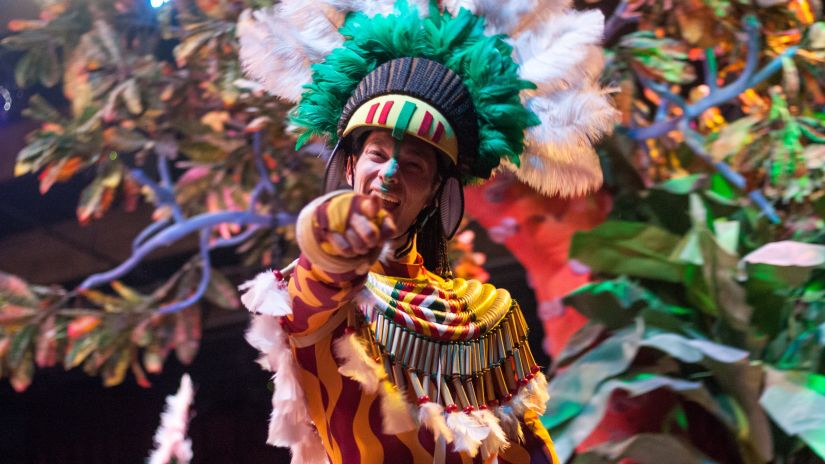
(457, 342)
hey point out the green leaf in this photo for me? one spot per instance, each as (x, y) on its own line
(573, 388)
(20, 344)
(25, 71)
(613, 303)
(81, 349)
(630, 248)
(693, 351)
(796, 408)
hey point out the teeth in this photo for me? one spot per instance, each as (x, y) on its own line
(386, 198)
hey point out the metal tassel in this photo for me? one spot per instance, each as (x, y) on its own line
(462, 395)
(428, 359)
(416, 355)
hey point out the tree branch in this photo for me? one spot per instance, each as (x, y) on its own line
(164, 195)
(749, 78)
(695, 141)
(177, 231)
(203, 284)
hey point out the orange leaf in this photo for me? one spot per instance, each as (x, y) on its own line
(17, 25)
(82, 325)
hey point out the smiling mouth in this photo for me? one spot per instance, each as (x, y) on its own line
(389, 203)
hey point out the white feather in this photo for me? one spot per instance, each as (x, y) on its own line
(289, 423)
(562, 52)
(395, 411)
(468, 432)
(578, 116)
(509, 423)
(538, 389)
(266, 295)
(508, 17)
(496, 441)
(278, 45)
(431, 415)
(376, 7)
(170, 437)
(358, 365)
(309, 451)
(559, 158)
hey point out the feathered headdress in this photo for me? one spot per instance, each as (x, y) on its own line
(529, 69)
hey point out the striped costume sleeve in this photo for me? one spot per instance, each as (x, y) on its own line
(323, 282)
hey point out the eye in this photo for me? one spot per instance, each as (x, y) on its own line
(376, 155)
(414, 166)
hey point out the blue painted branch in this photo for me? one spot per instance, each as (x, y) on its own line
(206, 275)
(259, 164)
(165, 196)
(148, 231)
(236, 240)
(696, 143)
(176, 232)
(163, 170)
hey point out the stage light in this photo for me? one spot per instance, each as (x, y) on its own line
(5, 98)
(157, 3)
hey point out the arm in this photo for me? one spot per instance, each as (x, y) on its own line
(340, 236)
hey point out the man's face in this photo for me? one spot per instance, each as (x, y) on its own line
(404, 179)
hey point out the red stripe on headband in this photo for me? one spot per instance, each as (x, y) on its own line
(385, 111)
(371, 113)
(439, 131)
(424, 128)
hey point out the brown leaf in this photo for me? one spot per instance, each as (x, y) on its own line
(115, 369)
(154, 357)
(140, 375)
(124, 139)
(16, 287)
(46, 344)
(257, 124)
(21, 376)
(187, 334)
(11, 314)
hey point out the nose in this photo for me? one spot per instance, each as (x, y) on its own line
(389, 172)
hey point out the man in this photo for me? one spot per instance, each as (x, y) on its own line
(380, 355)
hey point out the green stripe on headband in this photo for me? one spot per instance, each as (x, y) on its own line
(403, 120)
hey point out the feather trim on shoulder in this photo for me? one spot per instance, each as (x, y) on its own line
(357, 363)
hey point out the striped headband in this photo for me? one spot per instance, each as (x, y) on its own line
(403, 114)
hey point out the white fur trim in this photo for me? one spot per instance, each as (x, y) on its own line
(266, 295)
(289, 423)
